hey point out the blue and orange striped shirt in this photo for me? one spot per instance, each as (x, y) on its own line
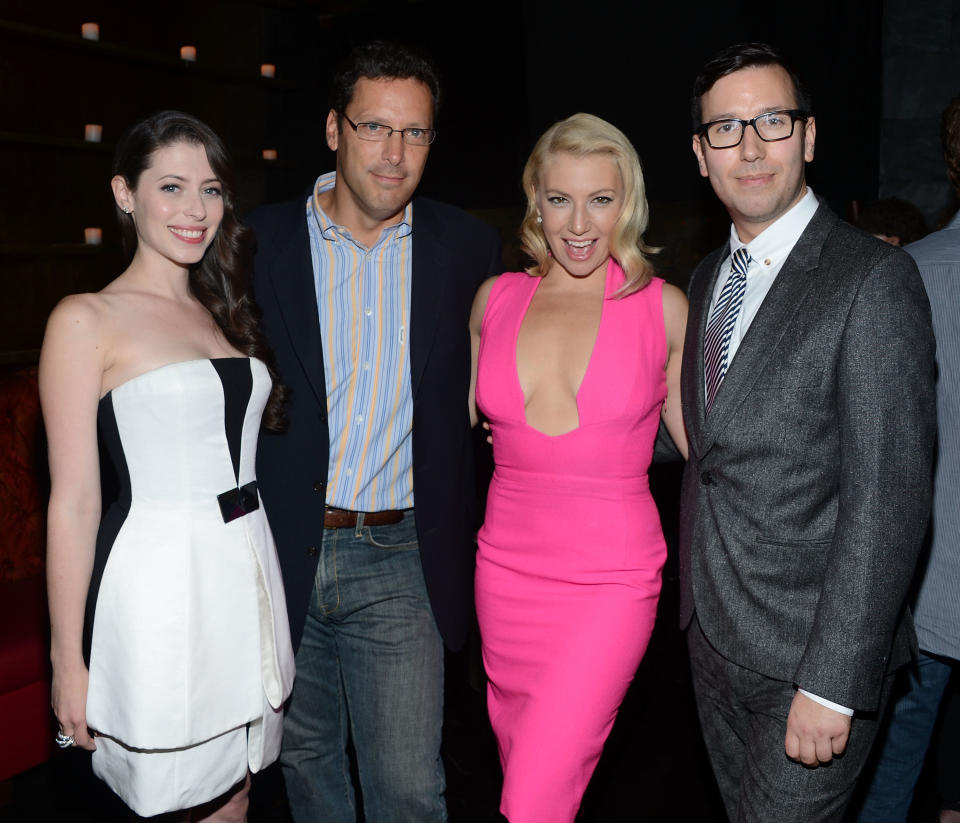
(363, 302)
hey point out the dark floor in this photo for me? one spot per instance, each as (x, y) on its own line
(654, 767)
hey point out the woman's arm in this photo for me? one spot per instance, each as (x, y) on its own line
(71, 371)
(675, 322)
(476, 324)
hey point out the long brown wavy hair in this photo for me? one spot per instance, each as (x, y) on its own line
(221, 280)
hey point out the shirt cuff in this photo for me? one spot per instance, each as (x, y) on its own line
(828, 703)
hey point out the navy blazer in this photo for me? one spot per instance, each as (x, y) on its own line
(453, 253)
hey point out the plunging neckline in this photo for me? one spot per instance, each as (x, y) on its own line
(586, 373)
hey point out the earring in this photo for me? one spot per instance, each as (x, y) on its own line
(125, 209)
(539, 219)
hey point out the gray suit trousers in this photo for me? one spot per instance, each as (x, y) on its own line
(743, 715)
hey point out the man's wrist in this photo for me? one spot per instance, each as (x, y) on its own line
(828, 703)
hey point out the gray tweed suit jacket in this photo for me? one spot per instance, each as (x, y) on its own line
(807, 491)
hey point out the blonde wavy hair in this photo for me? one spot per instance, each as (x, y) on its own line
(583, 135)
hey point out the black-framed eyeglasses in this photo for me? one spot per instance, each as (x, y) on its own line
(770, 127)
(378, 133)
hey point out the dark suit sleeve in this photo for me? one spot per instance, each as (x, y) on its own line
(886, 427)
(495, 264)
(664, 449)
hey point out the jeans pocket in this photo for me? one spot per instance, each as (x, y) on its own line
(400, 536)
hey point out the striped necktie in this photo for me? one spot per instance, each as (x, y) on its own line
(716, 341)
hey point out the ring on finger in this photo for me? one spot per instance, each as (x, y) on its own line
(64, 741)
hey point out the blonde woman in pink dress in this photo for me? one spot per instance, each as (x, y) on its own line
(576, 362)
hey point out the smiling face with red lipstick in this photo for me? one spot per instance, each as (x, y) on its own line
(177, 205)
(579, 199)
(757, 181)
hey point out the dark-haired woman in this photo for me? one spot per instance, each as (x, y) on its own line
(169, 639)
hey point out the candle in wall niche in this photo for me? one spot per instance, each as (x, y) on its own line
(93, 236)
(268, 70)
(90, 31)
(188, 54)
(269, 154)
(92, 132)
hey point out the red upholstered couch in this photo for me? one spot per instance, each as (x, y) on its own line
(25, 716)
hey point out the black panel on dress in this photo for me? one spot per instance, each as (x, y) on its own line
(237, 380)
(115, 502)
(236, 375)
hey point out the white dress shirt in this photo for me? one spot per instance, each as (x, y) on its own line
(768, 251)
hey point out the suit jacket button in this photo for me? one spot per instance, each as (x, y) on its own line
(707, 479)
(312, 551)
(318, 486)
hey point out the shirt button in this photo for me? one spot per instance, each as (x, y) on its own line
(348, 471)
(368, 311)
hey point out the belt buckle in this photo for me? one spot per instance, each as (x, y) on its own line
(338, 513)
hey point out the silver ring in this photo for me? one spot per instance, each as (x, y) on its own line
(64, 741)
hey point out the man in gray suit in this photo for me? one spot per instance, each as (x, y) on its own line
(937, 609)
(808, 396)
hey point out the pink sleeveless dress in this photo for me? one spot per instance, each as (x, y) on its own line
(571, 551)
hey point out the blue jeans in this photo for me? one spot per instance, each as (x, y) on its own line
(903, 748)
(369, 668)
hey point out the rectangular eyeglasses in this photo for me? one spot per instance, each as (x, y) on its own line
(769, 126)
(378, 133)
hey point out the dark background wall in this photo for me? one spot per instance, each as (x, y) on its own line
(880, 72)
(921, 72)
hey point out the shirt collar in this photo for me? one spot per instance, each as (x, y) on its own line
(332, 231)
(780, 236)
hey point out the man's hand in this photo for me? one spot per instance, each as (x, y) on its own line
(815, 733)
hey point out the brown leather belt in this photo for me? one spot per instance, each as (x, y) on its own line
(345, 519)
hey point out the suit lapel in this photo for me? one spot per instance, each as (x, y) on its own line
(701, 290)
(795, 279)
(432, 264)
(291, 277)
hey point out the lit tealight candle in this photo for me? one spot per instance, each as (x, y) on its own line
(93, 236)
(188, 53)
(90, 31)
(268, 70)
(269, 154)
(92, 132)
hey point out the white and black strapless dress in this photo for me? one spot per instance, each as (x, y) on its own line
(186, 634)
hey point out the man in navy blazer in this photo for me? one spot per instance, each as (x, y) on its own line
(366, 293)
(808, 397)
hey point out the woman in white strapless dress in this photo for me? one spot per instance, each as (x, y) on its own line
(169, 638)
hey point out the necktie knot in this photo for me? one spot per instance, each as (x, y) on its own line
(740, 261)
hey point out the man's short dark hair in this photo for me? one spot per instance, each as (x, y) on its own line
(378, 59)
(743, 56)
(950, 134)
(893, 217)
